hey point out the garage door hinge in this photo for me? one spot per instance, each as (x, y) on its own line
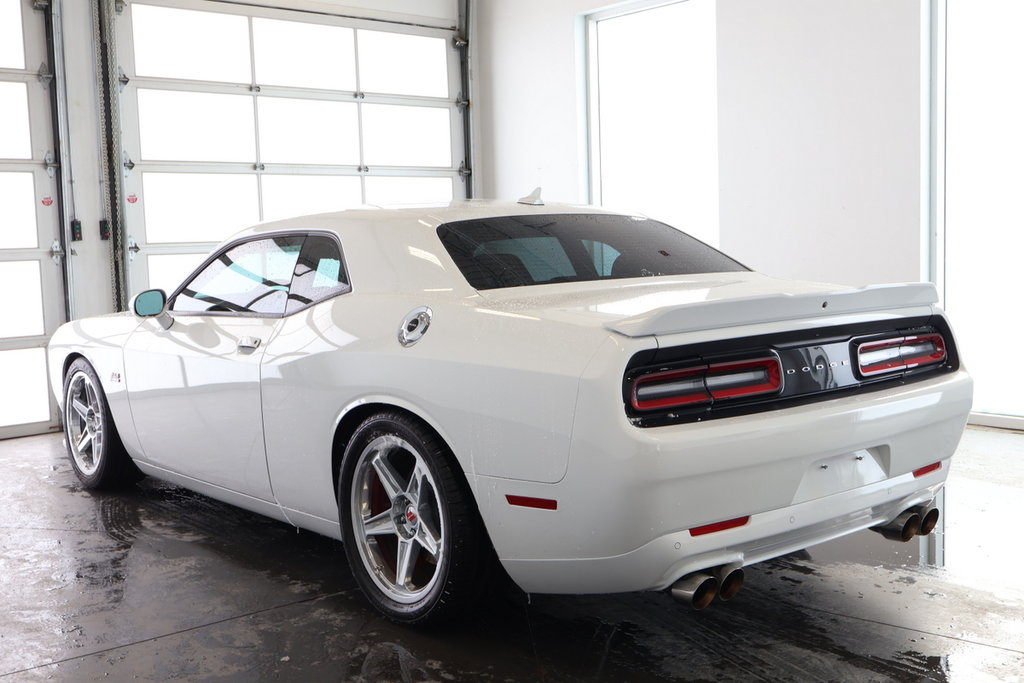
(461, 102)
(119, 6)
(41, 5)
(464, 170)
(44, 75)
(50, 164)
(56, 252)
(122, 79)
(128, 163)
(459, 42)
(133, 248)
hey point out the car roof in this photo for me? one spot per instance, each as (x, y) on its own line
(429, 216)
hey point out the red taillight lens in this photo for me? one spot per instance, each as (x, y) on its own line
(900, 353)
(704, 383)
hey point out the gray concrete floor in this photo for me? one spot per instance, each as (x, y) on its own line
(158, 583)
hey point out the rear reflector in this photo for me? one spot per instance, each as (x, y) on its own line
(528, 502)
(900, 353)
(927, 469)
(705, 383)
(719, 526)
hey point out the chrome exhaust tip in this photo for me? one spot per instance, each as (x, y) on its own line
(929, 518)
(696, 590)
(901, 529)
(730, 581)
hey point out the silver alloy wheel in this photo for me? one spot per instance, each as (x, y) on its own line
(83, 417)
(397, 519)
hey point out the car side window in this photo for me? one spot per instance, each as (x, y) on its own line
(251, 277)
(319, 274)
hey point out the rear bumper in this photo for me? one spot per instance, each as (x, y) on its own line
(803, 475)
(659, 563)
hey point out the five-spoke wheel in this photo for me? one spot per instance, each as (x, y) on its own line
(96, 451)
(412, 535)
(83, 420)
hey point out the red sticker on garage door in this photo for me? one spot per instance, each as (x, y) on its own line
(132, 199)
(47, 201)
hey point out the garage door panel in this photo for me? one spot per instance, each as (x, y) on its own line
(396, 135)
(296, 195)
(402, 64)
(217, 46)
(17, 199)
(384, 190)
(301, 55)
(15, 137)
(296, 131)
(196, 126)
(24, 370)
(21, 307)
(301, 113)
(198, 207)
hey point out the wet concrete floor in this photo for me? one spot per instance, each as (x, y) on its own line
(158, 583)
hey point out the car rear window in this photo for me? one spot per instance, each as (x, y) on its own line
(514, 251)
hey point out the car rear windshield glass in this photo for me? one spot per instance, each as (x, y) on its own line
(514, 251)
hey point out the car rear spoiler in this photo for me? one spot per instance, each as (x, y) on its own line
(707, 315)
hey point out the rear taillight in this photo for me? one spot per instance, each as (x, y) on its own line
(900, 353)
(706, 383)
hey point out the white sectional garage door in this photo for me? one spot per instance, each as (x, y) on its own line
(233, 114)
(32, 304)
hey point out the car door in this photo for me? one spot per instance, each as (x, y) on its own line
(194, 388)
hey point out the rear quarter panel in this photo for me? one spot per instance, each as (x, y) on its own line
(499, 388)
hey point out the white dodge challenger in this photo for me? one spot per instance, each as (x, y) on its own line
(599, 401)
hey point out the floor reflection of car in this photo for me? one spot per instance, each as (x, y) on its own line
(591, 402)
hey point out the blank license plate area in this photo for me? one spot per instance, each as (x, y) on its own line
(843, 472)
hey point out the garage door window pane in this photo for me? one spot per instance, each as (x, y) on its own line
(26, 370)
(192, 126)
(384, 191)
(167, 271)
(15, 141)
(17, 199)
(308, 132)
(198, 207)
(299, 55)
(394, 135)
(298, 195)
(401, 64)
(21, 306)
(12, 49)
(216, 45)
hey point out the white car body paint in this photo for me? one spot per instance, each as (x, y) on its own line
(525, 386)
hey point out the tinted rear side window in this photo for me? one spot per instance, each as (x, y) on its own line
(514, 251)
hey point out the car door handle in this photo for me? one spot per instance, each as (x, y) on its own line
(248, 344)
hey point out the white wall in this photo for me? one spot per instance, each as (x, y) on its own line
(819, 137)
(819, 126)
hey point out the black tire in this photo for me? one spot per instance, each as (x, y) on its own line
(94, 447)
(427, 503)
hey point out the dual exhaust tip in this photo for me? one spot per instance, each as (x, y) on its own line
(916, 521)
(698, 590)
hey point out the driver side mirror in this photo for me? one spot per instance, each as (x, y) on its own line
(152, 304)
